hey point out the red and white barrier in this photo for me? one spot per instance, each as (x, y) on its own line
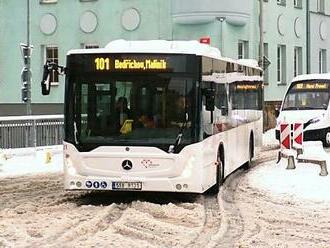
(298, 135)
(285, 136)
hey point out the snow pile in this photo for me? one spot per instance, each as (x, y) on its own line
(269, 139)
(15, 162)
(303, 182)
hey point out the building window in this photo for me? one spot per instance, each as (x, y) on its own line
(322, 61)
(281, 2)
(243, 49)
(281, 64)
(321, 6)
(48, 1)
(52, 55)
(297, 61)
(297, 3)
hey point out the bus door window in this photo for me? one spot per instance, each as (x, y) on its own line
(221, 108)
(178, 104)
(82, 98)
(207, 116)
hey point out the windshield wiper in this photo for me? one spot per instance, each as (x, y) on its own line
(75, 132)
(172, 148)
(290, 108)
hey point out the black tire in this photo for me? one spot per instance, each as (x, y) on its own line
(247, 165)
(220, 176)
(326, 138)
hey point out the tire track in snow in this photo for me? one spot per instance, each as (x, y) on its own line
(38, 212)
(211, 223)
(233, 222)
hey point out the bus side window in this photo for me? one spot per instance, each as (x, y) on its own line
(221, 99)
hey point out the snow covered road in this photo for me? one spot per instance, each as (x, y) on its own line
(259, 218)
(35, 211)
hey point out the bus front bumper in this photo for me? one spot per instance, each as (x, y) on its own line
(178, 184)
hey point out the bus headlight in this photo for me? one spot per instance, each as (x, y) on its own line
(189, 167)
(69, 166)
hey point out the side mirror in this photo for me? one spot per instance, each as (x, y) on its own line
(277, 112)
(45, 84)
(209, 99)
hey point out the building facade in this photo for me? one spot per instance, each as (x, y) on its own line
(319, 36)
(285, 47)
(233, 26)
(58, 26)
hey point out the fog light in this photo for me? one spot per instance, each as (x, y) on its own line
(72, 183)
(185, 186)
(78, 184)
(178, 187)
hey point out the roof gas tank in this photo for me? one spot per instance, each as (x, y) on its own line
(235, 12)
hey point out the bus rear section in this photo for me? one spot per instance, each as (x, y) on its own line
(307, 102)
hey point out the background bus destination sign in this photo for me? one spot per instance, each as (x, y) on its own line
(102, 64)
(311, 86)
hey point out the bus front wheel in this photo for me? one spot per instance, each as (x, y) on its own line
(326, 139)
(220, 174)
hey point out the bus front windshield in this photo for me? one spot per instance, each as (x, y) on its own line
(127, 110)
(307, 95)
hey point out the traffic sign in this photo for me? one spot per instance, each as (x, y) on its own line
(26, 52)
(266, 62)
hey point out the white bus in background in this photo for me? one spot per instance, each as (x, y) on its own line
(169, 116)
(307, 101)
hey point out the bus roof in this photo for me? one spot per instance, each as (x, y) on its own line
(311, 77)
(166, 47)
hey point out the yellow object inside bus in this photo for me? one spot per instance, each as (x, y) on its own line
(126, 127)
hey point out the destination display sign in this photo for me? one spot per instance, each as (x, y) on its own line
(311, 86)
(247, 86)
(108, 64)
(139, 63)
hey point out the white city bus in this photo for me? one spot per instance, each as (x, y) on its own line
(168, 116)
(307, 101)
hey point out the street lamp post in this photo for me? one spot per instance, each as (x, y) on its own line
(28, 60)
(261, 36)
(26, 50)
(222, 45)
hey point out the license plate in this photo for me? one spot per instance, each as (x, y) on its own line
(126, 185)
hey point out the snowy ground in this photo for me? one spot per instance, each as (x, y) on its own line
(25, 161)
(267, 206)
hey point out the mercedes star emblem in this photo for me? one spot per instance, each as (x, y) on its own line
(127, 164)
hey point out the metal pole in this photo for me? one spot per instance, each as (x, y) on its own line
(222, 46)
(261, 35)
(308, 38)
(33, 137)
(28, 60)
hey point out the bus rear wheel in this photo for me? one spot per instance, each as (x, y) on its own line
(220, 176)
(247, 165)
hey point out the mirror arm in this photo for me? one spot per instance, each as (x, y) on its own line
(48, 68)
